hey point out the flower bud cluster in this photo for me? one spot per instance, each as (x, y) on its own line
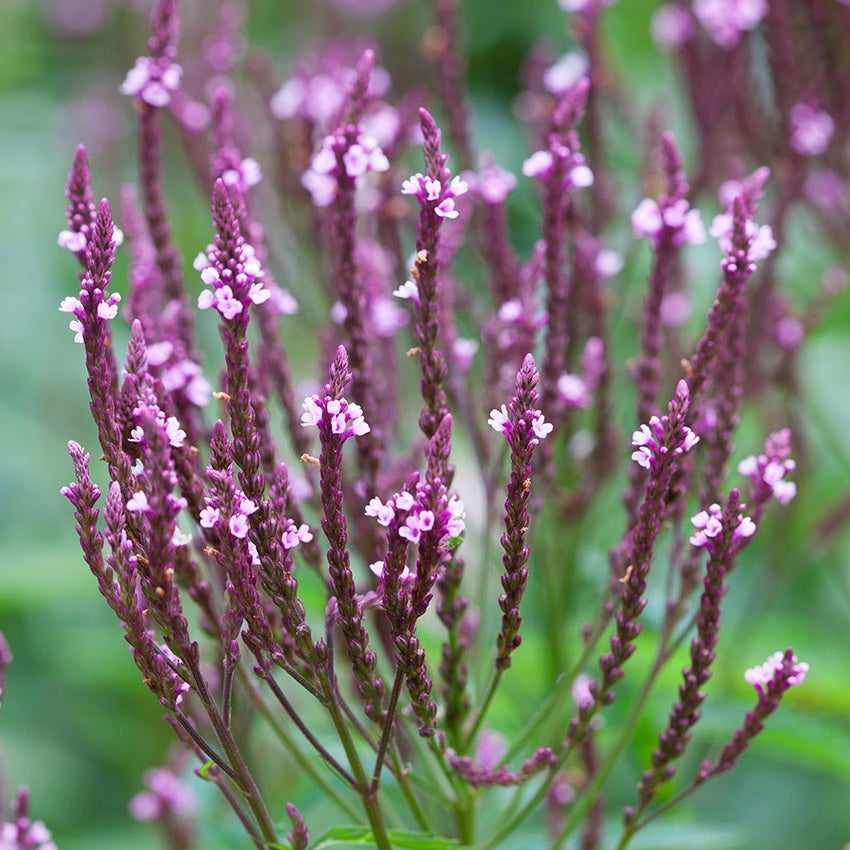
(407, 511)
(676, 221)
(232, 289)
(577, 173)
(652, 441)
(759, 237)
(152, 80)
(767, 470)
(762, 675)
(335, 416)
(709, 525)
(337, 158)
(431, 191)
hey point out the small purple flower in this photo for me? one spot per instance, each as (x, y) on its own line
(493, 183)
(501, 421)
(383, 513)
(408, 291)
(138, 503)
(672, 26)
(767, 470)
(152, 80)
(541, 163)
(726, 21)
(431, 191)
(682, 223)
(650, 442)
(761, 238)
(232, 288)
(166, 795)
(811, 130)
(321, 179)
(709, 525)
(293, 535)
(338, 415)
(573, 390)
(763, 674)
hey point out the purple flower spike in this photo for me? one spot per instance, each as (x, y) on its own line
(724, 528)
(668, 224)
(81, 210)
(657, 442)
(93, 310)
(767, 471)
(338, 420)
(229, 267)
(479, 776)
(21, 832)
(771, 680)
(299, 838)
(153, 78)
(661, 445)
(435, 191)
(524, 426)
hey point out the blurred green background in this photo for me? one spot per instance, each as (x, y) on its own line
(76, 725)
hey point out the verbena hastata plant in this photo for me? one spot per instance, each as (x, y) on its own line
(311, 568)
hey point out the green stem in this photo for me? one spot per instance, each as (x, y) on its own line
(626, 735)
(407, 791)
(243, 778)
(363, 785)
(495, 678)
(387, 730)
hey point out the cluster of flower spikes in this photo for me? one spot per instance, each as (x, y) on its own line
(230, 267)
(339, 157)
(767, 470)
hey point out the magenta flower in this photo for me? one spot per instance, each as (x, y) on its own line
(321, 179)
(651, 442)
(767, 470)
(152, 80)
(709, 525)
(683, 224)
(431, 192)
(811, 130)
(337, 415)
(762, 675)
(726, 21)
(232, 288)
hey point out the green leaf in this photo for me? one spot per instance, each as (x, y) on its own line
(359, 836)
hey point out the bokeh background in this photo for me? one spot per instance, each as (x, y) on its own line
(76, 724)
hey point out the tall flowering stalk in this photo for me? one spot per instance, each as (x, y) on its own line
(199, 541)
